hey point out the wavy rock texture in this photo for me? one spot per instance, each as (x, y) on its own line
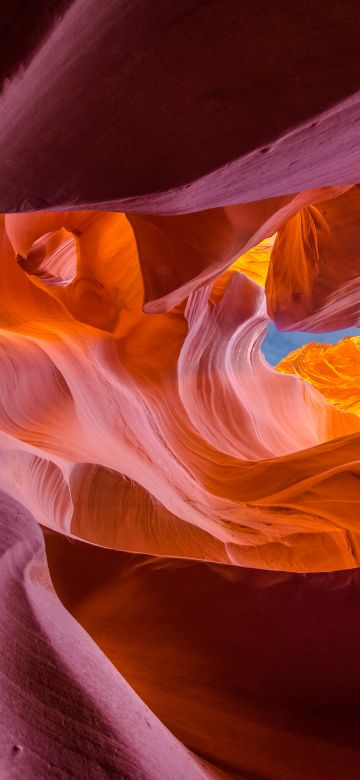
(315, 262)
(196, 448)
(58, 716)
(209, 104)
(186, 636)
(171, 179)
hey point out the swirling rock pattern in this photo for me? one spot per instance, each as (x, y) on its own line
(162, 423)
(194, 610)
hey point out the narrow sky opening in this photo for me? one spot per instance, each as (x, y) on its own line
(277, 344)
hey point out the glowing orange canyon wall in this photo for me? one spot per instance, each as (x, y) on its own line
(179, 533)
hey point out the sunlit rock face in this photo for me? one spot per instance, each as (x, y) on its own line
(179, 533)
(333, 369)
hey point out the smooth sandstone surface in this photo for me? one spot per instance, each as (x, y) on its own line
(65, 711)
(172, 178)
(161, 433)
(161, 108)
(253, 670)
